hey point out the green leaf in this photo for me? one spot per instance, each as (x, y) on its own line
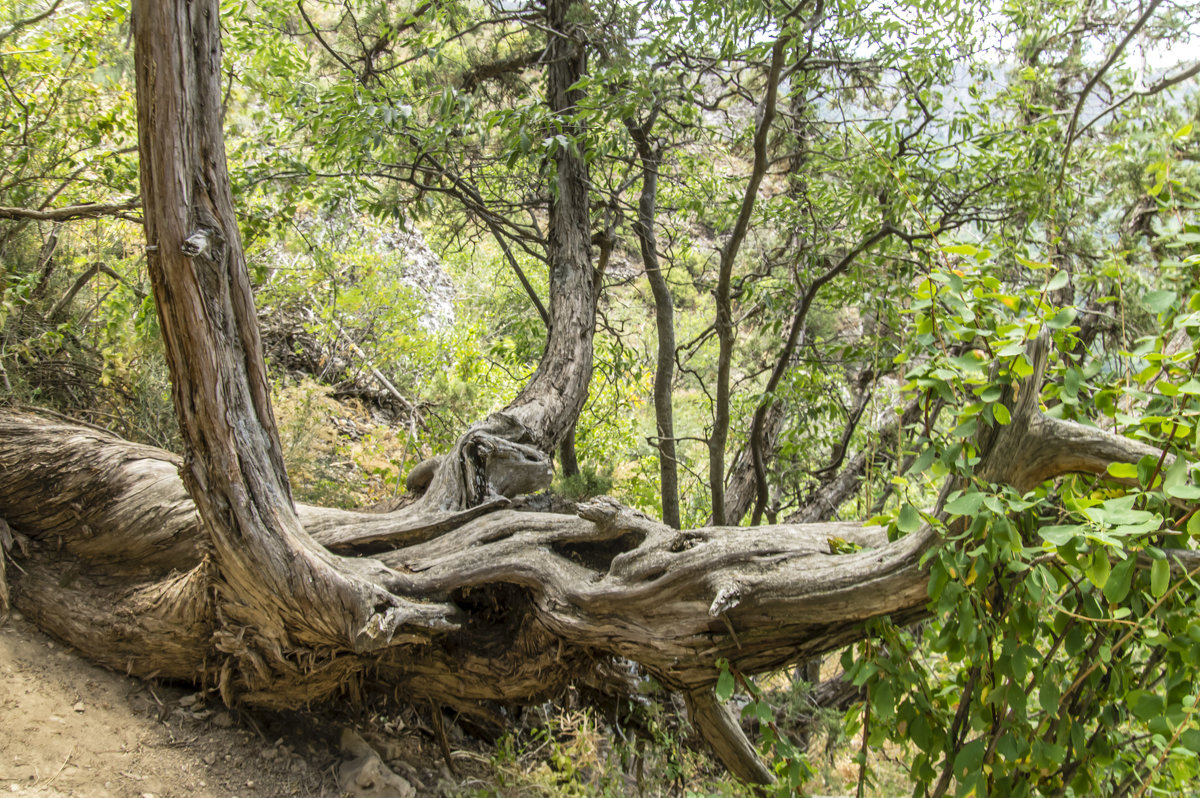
(1159, 171)
(1001, 414)
(1061, 535)
(969, 362)
(1144, 705)
(1058, 281)
(1175, 476)
(1061, 319)
(1123, 470)
(938, 577)
(1011, 348)
(909, 520)
(1072, 379)
(1160, 578)
(1049, 694)
(725, 685)
(1158, 301)
(1116, 589)
(920, 733)
(960, 249)
(967, 504)
(883, 702)
(969, 759)
(1099, 568)
(1189, 493)
(923, 461)
(1147, 467)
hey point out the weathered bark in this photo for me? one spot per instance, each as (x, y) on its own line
(568, 460)
(548, 406)
(741, 489)
(204, 569)
(543, 415)
(273, 578)
(608, 581)
(67, 213)
(720, 730)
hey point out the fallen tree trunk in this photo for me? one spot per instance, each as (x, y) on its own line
(516, 604)
(607, 581)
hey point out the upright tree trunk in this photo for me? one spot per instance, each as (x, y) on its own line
(664, 318)
(496, 605)
(467, 604)
(550, 403)
(758, 426)
(568, 460)
(741, 491)
(724, 322)
(274, 578)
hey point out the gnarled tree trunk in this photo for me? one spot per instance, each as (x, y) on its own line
(202, 568)
(516, 604)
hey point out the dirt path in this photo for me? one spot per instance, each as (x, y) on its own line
(68, 728)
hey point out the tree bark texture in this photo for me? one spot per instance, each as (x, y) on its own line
(605, 581)
(741, 490)
(550, 403)
(274, 579)
(203, 568)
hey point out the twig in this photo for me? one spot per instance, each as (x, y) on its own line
(864, 749)
(439, 728)
(25, 23)
(376, 373)
(70, 754)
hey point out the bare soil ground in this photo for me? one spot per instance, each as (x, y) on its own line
(69, 728)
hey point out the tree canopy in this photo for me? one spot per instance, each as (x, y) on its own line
(876, 323)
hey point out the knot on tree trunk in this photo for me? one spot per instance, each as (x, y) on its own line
(494, 459)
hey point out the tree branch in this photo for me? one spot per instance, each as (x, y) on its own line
(471, 79)
(784, 361)
(1159, 87)
(724, 322)
(25, 23)
(1091, 84)
(71, 212)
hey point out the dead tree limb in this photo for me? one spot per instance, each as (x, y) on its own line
(93, 210)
